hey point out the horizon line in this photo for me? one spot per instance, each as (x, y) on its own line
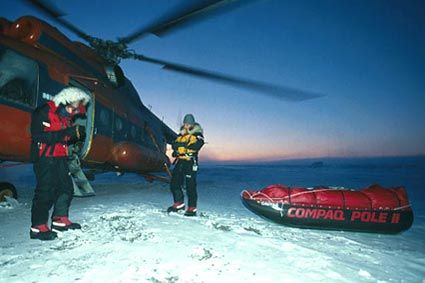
(251, 161)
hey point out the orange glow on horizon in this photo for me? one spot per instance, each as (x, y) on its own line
(251, 156)
(211, 155)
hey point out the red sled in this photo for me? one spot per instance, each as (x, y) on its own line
(374, 209)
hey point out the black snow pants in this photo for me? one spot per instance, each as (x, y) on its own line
(183, 173)
(54, 188)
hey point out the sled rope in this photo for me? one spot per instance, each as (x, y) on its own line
(292, 195)
(402, 207)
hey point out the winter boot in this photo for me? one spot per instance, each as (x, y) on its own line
(42, 232)
(62, 223)
(191, 211)
(176, 207)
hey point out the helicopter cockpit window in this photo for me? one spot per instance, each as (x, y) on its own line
(18, 78)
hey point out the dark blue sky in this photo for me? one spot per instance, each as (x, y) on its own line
(368, 57)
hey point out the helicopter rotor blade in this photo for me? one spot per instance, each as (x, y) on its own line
(56, 15)
(275, 91)
(196, 11)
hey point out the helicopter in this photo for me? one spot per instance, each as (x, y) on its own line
(122, 134)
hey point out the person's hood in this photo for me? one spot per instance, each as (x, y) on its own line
(196, 129)
(189, 119)
(71, 95)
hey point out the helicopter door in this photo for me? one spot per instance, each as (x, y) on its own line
(87, 121)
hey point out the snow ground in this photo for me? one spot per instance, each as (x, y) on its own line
(127, 237)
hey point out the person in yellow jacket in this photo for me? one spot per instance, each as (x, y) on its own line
(185, 150)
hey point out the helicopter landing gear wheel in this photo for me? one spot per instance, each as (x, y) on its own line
(7, 190)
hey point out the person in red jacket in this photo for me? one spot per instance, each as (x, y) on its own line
(52, 132)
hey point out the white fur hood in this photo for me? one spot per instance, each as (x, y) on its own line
(70, 95)
(197, 129)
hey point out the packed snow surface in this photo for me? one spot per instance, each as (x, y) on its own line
(128, 237)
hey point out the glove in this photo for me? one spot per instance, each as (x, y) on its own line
(70, 133)
(74, 134)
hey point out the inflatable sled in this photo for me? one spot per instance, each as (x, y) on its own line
(374, 209)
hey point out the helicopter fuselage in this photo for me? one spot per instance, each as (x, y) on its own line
(36, 62)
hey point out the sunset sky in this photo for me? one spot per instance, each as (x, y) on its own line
(367, 57)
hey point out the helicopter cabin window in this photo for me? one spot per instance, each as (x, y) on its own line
(18, 78)
(115, 75)
(142, 136)
(143, 132)
(118, 124)
(133, 132)
(104, 117)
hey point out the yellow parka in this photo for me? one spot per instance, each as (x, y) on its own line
(188, 143)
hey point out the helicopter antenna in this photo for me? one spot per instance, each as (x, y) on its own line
(179, 119)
